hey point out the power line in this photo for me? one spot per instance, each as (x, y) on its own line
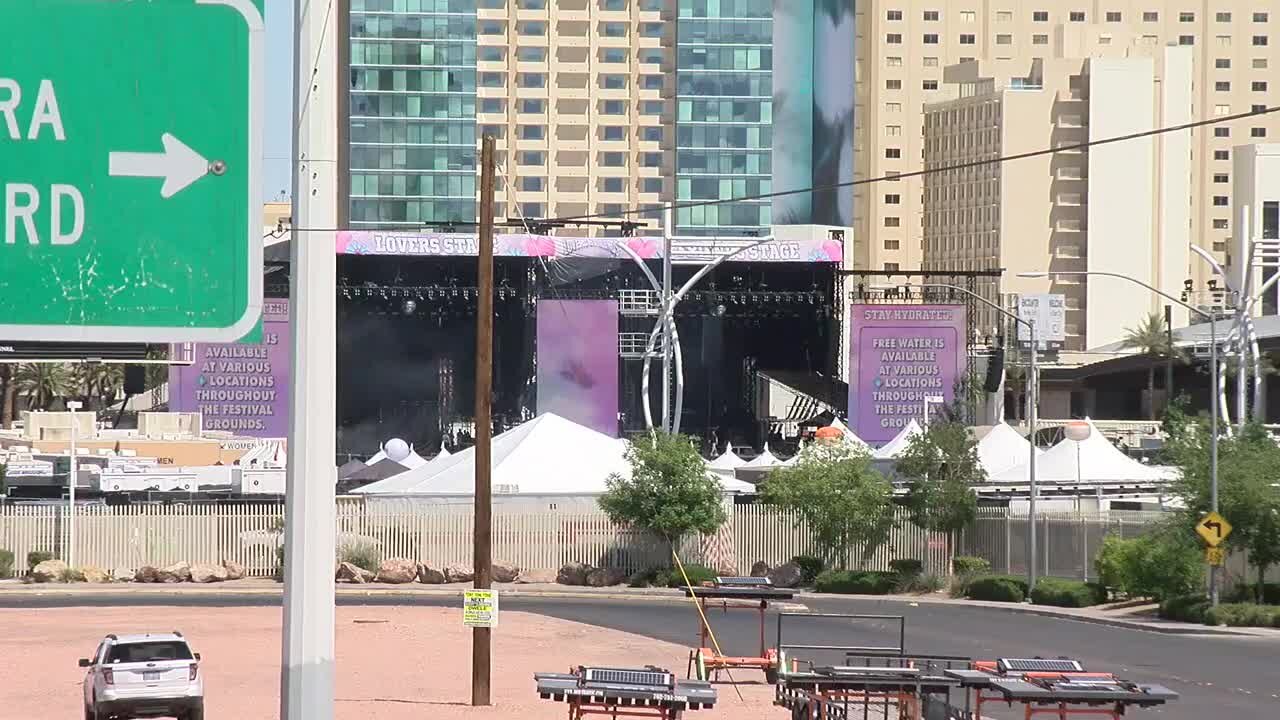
(883, 178)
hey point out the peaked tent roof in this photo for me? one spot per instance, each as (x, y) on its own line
(727, 461)
(1093, 459)
(763, 460)
(1003, 448)
(894, 447)
(548, 454)
(350, 468)
(380, 470)
(731, 484)
(848, 434)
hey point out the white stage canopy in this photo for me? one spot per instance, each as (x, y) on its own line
(1093, 459)
(894, 447)
(1003, 448)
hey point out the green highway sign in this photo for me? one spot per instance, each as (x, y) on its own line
(130, 170)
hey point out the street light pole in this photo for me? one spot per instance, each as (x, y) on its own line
(73, 406)
(1033, 403)
(1214, 410)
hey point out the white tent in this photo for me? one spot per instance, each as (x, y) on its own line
(894, 447)
(399, 451)
(765, 459)
(1003, 448)
(547, 455)
(848, 434)
(727, 462)
(1093, 459)
(734, 486)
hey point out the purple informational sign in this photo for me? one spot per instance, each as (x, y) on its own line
(578, 362)
(241, 388)
(898, 356)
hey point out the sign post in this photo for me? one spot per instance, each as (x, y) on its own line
(130, 154)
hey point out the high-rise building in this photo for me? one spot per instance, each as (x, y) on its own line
(602, 106)
(1255, 195)
(1120, 207)
(904, 45)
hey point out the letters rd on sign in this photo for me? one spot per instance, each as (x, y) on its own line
(480, 608)
(130, 153)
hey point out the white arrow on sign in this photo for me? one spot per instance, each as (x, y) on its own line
(179, 165)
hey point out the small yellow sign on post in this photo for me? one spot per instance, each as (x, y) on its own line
(480, 608)
(1215, 556)
(1213, 529)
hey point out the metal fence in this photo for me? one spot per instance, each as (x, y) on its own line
(126, 538)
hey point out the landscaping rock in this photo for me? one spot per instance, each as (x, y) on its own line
(235, 571)
(208, 573)
(760, 569)
(606, 577)
(573, 574)
(428, 575)
(504, 572)
(352, 574)
(536, 577)
(787, 575)
(48, 571)
(147, 574)
(397, 571)
(122, 575)
(95, 575)
(458, 572)
(176, 573)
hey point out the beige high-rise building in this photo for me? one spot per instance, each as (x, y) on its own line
(905, 46)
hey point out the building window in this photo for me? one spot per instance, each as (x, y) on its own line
(1186, 39)
(1259, 85)
(893, 153)
(613, 82)
(1222, 178)
(531, 157)
(651, 134)
(1187, 17)
(1114, 17)
(1257, 108)
(1222, 86)
(613, 159)
(929, 85)
(893, 61)
(1222, 17)
(1039, 39)
(893, 107)
(1150, 16)
(929, 62)
(1040, 16)
(1004, 16)
(613, 29)
(1259, 63)
(649, 56)
(651, 185)
(930, 15)
(1222, 63)
(531, 80)
(651, 159)
(931, 38)
(1077, 16)
(531, 53)
(894, 15)
(613, 55)
(491, 53)
(968, 16)
(1220, 110)
(1259, 17)
(1257, 132)
(1221, 155)
(491, 105)
(533, 106)
(1219, 224)
(892, 244)
(891, 267)
(968, 39)
(533, 132)
(892, 199)
(492, 27)
(892, 130)
(893, 38)
(651, 30)
(1259, 40)
(532, 184)
(651, 82)
(532, 27)
(892, 84)
(613, 107)
(612, 185)
(1221, 201)
(1004, 39)
(613, 132)
(491, 79)
(892, 221)
(1222, 132)
(1224, 41)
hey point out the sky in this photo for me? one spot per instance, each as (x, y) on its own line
(277, 146)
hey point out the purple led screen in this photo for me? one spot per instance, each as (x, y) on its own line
(578, 362)
(898, 355)
(243, 387)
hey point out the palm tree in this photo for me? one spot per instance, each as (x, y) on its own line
(10, 394)
(98, 383)
(42, 383)
(1151, 339)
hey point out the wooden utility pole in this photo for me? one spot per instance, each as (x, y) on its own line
(481, 640)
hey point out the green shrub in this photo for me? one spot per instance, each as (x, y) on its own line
(1163, 563)
(1185, 608)
(906, 566)
(697, 575)
(970, 565)
(918, 584)
(1248, 593)
(1065, 593)
(6, 564)
(997, 589)
(1243, 615)
(365, 556)
(646, 578)
(71, 575)
(846, 582)
(35, 557)
(810, 567)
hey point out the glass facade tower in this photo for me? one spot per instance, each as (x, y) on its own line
(413, 112)
(724, 121)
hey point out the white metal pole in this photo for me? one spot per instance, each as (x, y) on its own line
(1242, 310)
(307, 670)
(1213, 447)
(1033, 403)
(73, 406)
(667, 232)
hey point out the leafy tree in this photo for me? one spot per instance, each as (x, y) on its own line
(942, 466)
(1151, 339)
(839, 496)
(1162, 563)
(669, 491)
(42, 383)
(10, 393)
(99, 383)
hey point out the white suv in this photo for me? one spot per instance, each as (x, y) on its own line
(143, 676)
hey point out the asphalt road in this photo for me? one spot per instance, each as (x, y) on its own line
(1218, 677)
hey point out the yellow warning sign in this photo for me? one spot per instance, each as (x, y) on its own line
(1213, 528)
(1215, 556)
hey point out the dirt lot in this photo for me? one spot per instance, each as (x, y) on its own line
(393, 663)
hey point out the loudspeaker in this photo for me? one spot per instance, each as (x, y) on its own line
(995, 371)
(135, 379)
